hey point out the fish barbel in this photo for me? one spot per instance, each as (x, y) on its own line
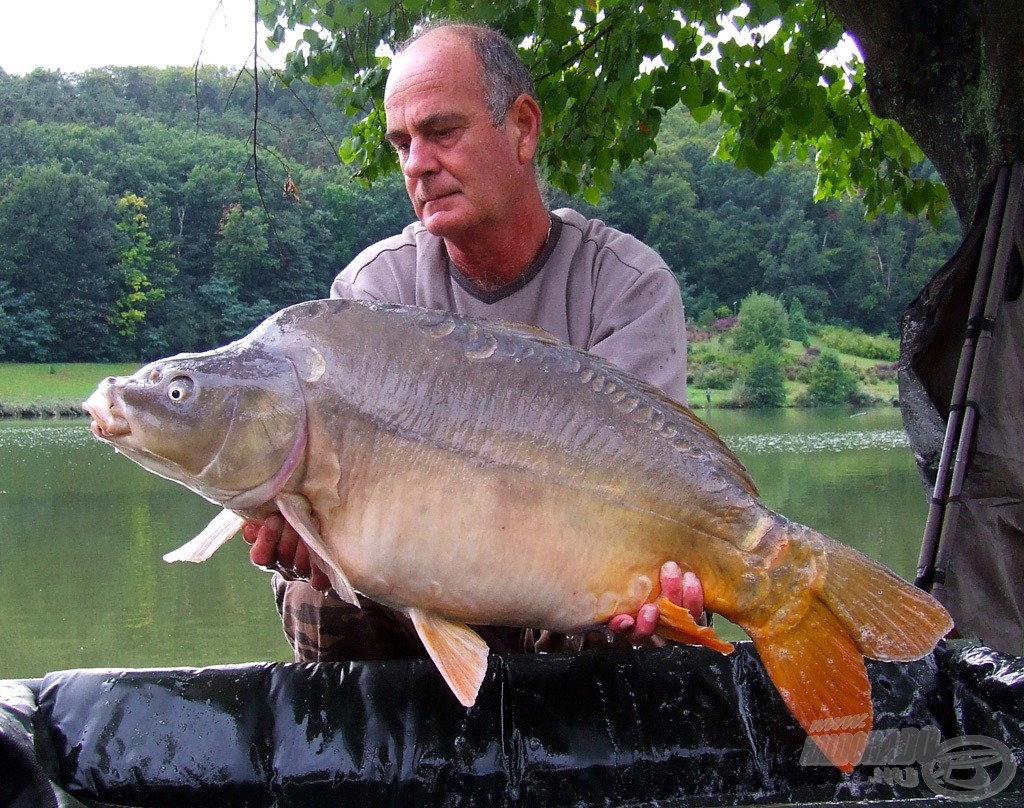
(468, 472)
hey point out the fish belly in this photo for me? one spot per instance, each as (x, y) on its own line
(488, 544)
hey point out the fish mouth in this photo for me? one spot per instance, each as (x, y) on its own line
(107, 412)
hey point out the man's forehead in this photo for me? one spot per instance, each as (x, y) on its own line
(440, 61)
(426, 89)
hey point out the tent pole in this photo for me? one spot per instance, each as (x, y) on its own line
(932, 570)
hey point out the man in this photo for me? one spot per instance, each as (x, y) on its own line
(462, 116)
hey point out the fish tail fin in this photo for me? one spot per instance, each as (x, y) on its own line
(857, 608)
(888, 618)
(821, 677)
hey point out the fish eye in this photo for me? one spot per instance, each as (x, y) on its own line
(179, 389)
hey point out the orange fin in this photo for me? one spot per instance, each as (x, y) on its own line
(458, 651)
(820, 674)
(677, 624)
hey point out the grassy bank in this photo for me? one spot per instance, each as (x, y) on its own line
(39, 391)
(876, 379)
(29, 390)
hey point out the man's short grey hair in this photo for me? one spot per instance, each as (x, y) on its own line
(505, 76)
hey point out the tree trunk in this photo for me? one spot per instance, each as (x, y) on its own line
(952, 74)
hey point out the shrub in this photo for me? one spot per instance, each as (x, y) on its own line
(716, 375)
(798, 323)
(761, 384)
(856, 343)
(762, 320)
(830, 383)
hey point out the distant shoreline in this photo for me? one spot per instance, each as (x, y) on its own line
(40, 412)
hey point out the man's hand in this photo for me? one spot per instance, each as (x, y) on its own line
(682, 589)
(276, 546)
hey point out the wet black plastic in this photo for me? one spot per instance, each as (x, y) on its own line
(680, 726)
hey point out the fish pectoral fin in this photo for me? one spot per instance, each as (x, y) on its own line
(296, 509)
(820, 674)
(677, 624)
(221, 528)
(457, 651)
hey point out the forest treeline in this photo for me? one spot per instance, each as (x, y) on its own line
(138, 218)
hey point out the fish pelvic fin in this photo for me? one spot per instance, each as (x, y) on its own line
(677, 624)
(820, 674)
(458, 652)
(888, 618)
(221, 528)
(296, 509)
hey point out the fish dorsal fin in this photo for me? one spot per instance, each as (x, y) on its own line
(677, 624)
(458, 651)
(221, 528)
(296, 509)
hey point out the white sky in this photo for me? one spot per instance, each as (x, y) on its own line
(75, 35)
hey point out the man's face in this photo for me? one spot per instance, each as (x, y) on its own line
(461, 172)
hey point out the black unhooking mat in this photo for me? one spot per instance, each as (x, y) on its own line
(671, 727)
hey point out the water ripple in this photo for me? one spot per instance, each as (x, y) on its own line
(21, 435)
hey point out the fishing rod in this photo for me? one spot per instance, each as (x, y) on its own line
(1001, 231)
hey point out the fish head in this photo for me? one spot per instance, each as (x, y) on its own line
(230, 424)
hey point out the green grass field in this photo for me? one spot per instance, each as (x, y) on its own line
(53, 386)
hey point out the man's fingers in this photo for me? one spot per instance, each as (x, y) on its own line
(263, 552)
(302, 565)
(249, 532)
(646, 622)
(692, 595)
(318, 579)
(621, 622)
(672, 582)
(288, 546)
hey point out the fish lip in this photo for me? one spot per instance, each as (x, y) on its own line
(107, 411)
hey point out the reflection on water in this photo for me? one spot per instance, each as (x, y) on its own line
(82, 532)
(82, 582)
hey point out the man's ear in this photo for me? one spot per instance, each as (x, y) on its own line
(523, 125)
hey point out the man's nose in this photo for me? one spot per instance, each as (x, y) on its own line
(421, 158)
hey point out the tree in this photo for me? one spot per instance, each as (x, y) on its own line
(25, 331)
(762, 321)
(761, 383)
(798, 322)
(830, 383)
(143, 270)
(57, 236)
(608, 72)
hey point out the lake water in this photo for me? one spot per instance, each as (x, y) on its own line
(82, 532)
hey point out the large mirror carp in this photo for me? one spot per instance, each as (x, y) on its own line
(468, 472)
